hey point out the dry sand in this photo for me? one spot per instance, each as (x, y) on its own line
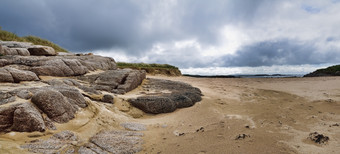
(276, 116)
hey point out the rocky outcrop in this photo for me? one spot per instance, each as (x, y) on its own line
(116, 81)
(181, 95)
(59, 65)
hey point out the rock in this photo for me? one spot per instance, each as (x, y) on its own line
(27, 119)
(154, 104)
(181, 100)
(133, 126)
(91, 148)
(24, 94)
(54, 104)
(14, 44)
(180, 95)
(54, 67)
(1, 51)
(22, 51)
(59, 65)
(5, 76)
(57, 143)
(241, 136)
(39, 50)
(6, 117)
(73, 95)
(6, 97)
(3, 62)
(118, 141)
(107, 99)
(116, 81)
(9, 51)
(20, 75)
(132, 81)
(318, 138)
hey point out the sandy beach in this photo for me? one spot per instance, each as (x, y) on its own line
(276, 115)
(236, 115)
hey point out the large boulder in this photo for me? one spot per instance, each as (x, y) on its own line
(154, 104)
(27, 118)
(39, 50)
(54, 104)
(21, 75)
(178, 95)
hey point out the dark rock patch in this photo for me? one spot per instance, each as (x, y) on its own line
(107, 99)
(318, 138)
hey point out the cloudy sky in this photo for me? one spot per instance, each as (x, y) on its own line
(199, 36)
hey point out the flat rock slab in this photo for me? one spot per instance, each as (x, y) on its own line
(114, 141)
(63, 141)
(155, 100)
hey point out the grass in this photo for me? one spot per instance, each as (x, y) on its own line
(164, 69)
(9, 36)
(329, 71)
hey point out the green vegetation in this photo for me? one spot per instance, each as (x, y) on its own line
(8, 36)
(164, 69)
(39, 41)
(329, 71)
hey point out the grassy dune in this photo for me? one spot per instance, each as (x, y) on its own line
(164, 69)
(9, 36)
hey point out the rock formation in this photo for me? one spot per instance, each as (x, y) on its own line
(42, 88)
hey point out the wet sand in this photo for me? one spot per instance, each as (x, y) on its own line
(261, 115)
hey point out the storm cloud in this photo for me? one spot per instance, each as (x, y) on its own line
(186, 33)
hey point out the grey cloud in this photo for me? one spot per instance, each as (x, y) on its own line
(91, 25)
(281, 52)
(134, 27)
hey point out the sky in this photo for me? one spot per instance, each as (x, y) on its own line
(198, 36)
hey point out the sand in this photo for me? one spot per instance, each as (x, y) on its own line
(273, 115)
